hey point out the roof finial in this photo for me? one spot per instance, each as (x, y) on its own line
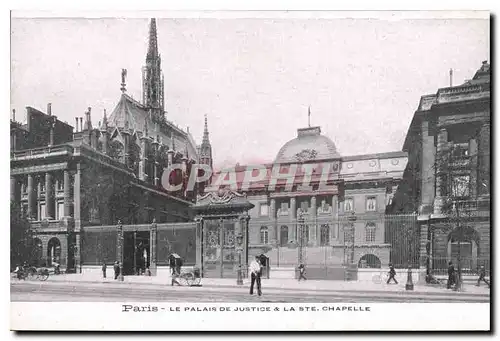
(309, 116)
(14, 115)
(124, 84)
(104, 125)
(451, 78)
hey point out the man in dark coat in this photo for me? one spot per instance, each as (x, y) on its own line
(302, 270)
(116, 267)
(482, 276)
(392, 274)
(451, 275)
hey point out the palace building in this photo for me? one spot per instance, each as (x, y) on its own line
(344, 221)
(447, 179)
(69, 180)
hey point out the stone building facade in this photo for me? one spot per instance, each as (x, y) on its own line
(447, 179)
(69, 178)
(360, 185)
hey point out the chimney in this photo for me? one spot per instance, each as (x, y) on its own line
(49, 109)
(14, 115)
(81, 123)
(76, 126)
(451, 77)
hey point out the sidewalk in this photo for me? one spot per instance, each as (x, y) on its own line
(287, 284)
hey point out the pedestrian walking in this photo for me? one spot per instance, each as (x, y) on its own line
(392, 274)
(451, 275)
(103, 268)
(116, 267)
(302, 272)
(255, 274)
(482, 276)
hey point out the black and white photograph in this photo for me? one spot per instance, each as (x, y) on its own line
(234, 167)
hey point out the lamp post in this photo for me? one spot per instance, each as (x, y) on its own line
(120, 249)
(409, 280)
(135, 252)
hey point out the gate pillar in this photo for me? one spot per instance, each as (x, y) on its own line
(152, 244)
(199, 243)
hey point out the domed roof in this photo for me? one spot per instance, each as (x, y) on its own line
(308, 145)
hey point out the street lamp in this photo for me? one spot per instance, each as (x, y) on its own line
(350, 261)
(409, 280)
(120, 249)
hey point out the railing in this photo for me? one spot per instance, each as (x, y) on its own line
(64, 149)
(468, 265)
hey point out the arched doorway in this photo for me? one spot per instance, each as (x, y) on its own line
(53, 251)
(283, 235)
(37, 252)
(464, 243)
(369, 261)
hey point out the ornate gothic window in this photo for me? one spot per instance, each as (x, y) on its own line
(264, 235)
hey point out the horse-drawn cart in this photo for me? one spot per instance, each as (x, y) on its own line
(183, 276)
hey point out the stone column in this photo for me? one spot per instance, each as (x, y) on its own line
(441, 149)
(293, 219)
(78, 249)
(14, 188)
(152, 253)
(77, 198)
(67, 194)
(334, 227)
(31, 197)
(473, 167)
(484, 159)
(49, 196)
(316, 234)
(274, 220)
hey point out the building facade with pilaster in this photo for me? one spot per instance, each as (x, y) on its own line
(447, 179)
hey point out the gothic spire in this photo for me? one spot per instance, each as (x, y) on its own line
(104, 125)
(153, 43)
(205, 132)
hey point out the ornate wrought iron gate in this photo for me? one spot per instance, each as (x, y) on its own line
(219, 251)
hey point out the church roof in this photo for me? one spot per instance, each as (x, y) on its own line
(308, 145)
(131, 114)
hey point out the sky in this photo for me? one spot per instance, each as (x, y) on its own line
(253, 78)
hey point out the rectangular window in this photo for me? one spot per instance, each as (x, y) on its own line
(264, 209)
(304, 206)
(284, 207)
(349, 204)
(60, 210)
(460, 185)
(371, 204)
(42, 214)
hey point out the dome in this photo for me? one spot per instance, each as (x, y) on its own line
(308, 145)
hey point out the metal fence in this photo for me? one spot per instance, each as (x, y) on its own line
(369, 240)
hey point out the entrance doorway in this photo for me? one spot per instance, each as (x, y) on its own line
(136, 252)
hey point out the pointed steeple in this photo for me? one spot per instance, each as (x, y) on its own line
(153, 41)
(205, 132)
(152, 80)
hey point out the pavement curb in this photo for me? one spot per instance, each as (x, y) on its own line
(446, 292)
